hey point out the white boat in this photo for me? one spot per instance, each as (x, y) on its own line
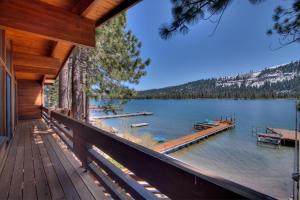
(139, 125)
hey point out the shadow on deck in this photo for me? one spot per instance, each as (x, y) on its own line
(37, 167)
(70, 161)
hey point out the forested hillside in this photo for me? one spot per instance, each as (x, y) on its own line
(274, 82)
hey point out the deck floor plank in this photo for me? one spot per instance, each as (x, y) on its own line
(42, 186)
(80, 186)
(37, 167)
(29, 179)
(17, 178)
(66, 183)
(94, 188)
(7, 172)
(54, 184)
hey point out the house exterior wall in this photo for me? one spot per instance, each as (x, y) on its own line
(29, 99)
(8, 87)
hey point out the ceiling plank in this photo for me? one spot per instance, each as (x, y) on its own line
(65, 4)
(28, 76)
(81, 6)
(30, 60)
(120, 8)
(35, 70)
(47, 21)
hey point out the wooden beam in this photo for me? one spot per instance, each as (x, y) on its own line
(28, 76)
(47, 21)
(123, 6)
(35, 70)
(29, 60)
(49, 81)
(81, 6)
(61, 48)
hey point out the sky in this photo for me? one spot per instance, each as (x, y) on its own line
(239, 45)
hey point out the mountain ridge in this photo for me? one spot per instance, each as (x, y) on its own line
(280, 81)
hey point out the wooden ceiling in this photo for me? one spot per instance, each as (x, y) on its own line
(44, 32)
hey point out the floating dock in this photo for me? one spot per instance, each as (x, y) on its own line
(284, 136)
(187, 140)
(139, 125)
(123, 115)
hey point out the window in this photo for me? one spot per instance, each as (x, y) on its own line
(8, 55)
(1, 43)
(8, 107)
(15, 105)
(1, 101)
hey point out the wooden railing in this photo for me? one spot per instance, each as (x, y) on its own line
(171, 177)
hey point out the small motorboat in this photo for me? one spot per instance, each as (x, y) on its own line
(273, 139)
(159, 139)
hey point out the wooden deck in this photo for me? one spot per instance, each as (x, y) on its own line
(173, 145)
(286, 134)
(38, 168)
(86, 140)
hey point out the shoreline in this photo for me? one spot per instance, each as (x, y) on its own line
(236, 99)
(234, 156)
(145, 140)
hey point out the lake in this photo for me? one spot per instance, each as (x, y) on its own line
(233, 154)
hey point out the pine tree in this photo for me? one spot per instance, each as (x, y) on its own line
(63, 87)
(51, 92)
(188, 12)
(287, 23)
(115, 60)
(102, 71)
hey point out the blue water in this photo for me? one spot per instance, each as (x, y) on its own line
(234, 154)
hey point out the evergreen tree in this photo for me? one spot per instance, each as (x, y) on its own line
(115, 61)
(51, 95)
(63, 87)
(188, 12)
(287, 23)
(103, 71)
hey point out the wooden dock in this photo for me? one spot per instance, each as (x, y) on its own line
(179, 143)
(123, 115)
(286, 134)
(280, 136)
(139, 125)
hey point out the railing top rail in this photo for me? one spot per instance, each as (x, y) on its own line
(155, 167)
(45, 109)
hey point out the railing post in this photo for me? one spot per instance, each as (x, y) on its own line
(80, 148)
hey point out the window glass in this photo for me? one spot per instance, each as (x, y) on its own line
(1, 101)
(15, 107)
(8, 107)
(8, 55)
(1, 43)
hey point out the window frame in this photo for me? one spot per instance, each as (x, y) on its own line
(3, 96)
(7, 71)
